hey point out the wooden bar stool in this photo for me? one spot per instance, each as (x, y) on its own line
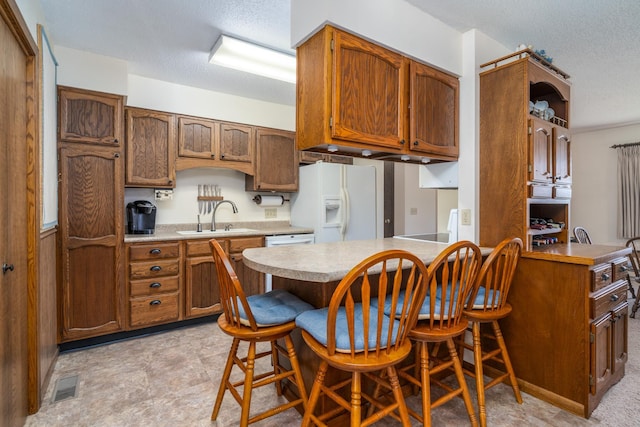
(488, 304)
(354, 335)
(452, 277)
(258, 318)
(634, 260)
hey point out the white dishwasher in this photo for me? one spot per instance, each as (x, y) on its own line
(285, 240)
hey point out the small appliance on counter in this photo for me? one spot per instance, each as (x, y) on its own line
(141, 217)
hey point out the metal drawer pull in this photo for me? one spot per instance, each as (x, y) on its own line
(605, 276)
(155, 251)
(615, 297)
(156, 268)
(624, 268)
(155, 302)
(155, 285)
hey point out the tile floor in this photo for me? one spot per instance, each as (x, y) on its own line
(171, 378)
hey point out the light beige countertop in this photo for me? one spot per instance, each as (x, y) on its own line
(327, 262)
(256, 228)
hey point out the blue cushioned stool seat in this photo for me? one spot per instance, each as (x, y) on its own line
(479, 301)
(274, 308)
(315, 323)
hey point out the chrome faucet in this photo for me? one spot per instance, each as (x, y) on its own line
(213, 216)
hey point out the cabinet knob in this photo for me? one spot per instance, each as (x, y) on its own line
(222, 156)
(605, 276)
(213, 156)
(155, 251)
(115, 140)
(402, 141)
(7, 267)
(615, 297)
(624, 268)
(155, 302)
(116, 155)
(155, 285)
(156, 268)
(415, 143)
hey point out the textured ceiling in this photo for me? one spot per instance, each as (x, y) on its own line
(596, 42)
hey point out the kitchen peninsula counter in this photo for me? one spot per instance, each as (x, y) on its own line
(330, 262)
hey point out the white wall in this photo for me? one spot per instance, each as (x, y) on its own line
(416, 208)
(594, 197)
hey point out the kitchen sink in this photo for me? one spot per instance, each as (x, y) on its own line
(217, 232)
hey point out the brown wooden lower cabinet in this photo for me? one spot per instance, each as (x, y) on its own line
(567, 333)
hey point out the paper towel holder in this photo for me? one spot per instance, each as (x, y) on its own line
(269, 200)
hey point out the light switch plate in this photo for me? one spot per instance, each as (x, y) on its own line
(465, 216)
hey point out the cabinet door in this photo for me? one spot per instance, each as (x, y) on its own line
(90, 117)
(600, 353)
(540, 136)
(561, 155)
(91, 232)
(369, 102)
(252, 281)
(276, 166)
(236, 142)
(197, 137)
(202, 292)
(433, 112)
(619, 335)
(150, 148)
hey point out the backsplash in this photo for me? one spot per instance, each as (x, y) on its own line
(183, 207)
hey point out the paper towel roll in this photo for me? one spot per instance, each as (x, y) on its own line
(267, 201)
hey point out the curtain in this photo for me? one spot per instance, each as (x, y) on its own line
(628, 191)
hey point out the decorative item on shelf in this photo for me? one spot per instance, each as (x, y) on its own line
(268, 201)
(542, 54)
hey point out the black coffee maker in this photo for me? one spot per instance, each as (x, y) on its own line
(141, 217)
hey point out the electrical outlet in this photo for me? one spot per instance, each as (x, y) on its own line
(413, 211)
(465, 216)
(271, 213)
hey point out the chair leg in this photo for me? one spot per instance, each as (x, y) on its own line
(275, 361)
(397, 392)
(225, 379)
(248, 384)
(460, 376)
(425, 383)
(477, 360)
(356, 399)
(315, 394)
(293, 359)
(507, 361)
(633, 292)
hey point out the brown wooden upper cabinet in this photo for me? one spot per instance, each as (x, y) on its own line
(358, 95)
(150, 148)
(276, 165)
(89, 117)
(433, 116)
(211, 143)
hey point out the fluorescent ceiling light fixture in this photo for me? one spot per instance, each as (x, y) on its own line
(251, 58)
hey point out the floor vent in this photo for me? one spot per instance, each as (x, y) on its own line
(66, 388)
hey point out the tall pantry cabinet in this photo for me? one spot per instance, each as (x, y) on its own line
(91, 167)
(525, 160)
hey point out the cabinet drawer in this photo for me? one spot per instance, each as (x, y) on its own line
(562, 192)
(154, 309)
(154, 286)
(600, 277)
(540, 191)
(157, 268)
(241, 243)
(154, 251)
(620, 267)
(608, 299)
(201, 247)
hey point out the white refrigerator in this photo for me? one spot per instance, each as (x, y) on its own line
(338, 201)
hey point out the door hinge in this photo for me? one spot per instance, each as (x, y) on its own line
(590, 380)
(331, 121)
(331, 46)
(530, 168)
(592, 337)
(530, 130)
